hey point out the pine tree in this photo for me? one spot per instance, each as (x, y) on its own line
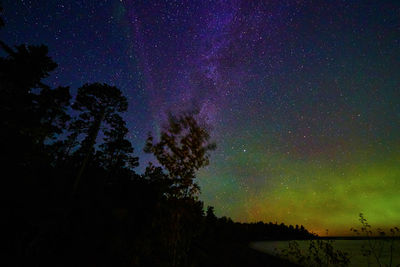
(98, 104)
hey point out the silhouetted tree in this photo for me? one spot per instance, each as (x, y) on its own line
(116, 151)
(183, 149)
(97, 103)
(52, 106)
(210, 216)
(33, 116)
(24, 68)
(31, 112)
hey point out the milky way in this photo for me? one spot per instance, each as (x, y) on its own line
(303, 97)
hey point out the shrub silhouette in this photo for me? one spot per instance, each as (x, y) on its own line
(376, 240)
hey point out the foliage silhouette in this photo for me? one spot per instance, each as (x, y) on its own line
(318, 253)
(321, 252)
(182, 150)
(97, 103)
(376, 241)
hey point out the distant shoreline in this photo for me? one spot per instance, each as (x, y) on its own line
(356, 237)
(333, 238)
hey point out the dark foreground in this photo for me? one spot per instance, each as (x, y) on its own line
(237, 254)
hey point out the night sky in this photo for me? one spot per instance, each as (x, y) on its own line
(303, 97)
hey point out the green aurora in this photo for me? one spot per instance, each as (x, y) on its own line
(318, 193)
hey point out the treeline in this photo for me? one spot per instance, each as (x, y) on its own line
(73, 197)
(225, 229)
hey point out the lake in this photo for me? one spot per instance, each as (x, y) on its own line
(352, 247)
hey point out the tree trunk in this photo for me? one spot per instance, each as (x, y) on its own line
(94, 131)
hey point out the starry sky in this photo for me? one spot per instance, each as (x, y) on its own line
(303, 97)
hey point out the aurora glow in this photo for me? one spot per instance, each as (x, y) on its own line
(303, 96)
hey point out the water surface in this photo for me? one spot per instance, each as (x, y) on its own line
(352, 247)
